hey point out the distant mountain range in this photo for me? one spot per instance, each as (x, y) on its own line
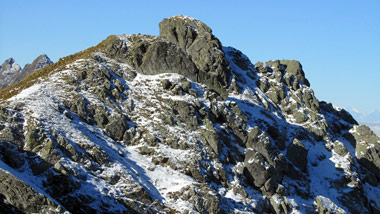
(371, 119)
(12, 73)
(373, 116)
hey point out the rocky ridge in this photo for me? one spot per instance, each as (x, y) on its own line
(11, 73)
(178, 123)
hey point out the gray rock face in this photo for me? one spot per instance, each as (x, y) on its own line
(197, 54)
(116, 127)
(367, 149)
(255, 170)
(23, 198)
(295, 72)
(196, 39)
(164, 57)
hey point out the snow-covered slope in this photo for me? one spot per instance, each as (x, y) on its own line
(180, 124)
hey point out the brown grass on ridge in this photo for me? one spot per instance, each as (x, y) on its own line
(35, 76)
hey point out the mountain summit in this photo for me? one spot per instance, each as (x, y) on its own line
(11, 73)
(9, 66)
(179, 123)
(8, 69)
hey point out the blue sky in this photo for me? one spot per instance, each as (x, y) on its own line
(337, 42)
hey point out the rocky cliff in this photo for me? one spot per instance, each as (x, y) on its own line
(11, 73)
(178, 123)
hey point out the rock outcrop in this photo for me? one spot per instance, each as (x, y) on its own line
(177, 123)
(23, 197)
(196, 39)
(367, 148)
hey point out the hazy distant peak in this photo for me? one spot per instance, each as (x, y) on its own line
(11, 73)
(42, 61)
(38, 63)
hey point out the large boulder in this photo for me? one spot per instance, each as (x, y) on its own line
(256, 169)
(197, 40)
(164, 57)
(116, 127)
(297, 154)
(263, 160)
(294, 71)
(20, 196)
(367, 148)
(326, 206)
(211, 138)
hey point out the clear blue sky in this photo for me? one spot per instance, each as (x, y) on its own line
(337, 42)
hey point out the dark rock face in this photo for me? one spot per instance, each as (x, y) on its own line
(255, 172)
(297, 154)
(23, 197)
(196, 53)
(197, 40)
(116, 127)
(164, 57)
(294, 68)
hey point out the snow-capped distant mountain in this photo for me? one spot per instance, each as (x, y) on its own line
(11, 73)
(178, 123)
(7, 72)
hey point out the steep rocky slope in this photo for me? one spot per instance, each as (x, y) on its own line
(11, 73)
(178, 123)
